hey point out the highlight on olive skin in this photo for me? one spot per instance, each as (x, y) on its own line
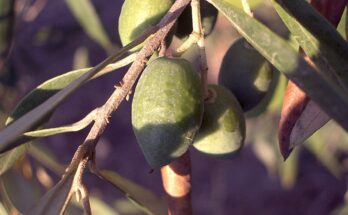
(134, 20)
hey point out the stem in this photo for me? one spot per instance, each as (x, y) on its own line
(198, 29)
(176, 178)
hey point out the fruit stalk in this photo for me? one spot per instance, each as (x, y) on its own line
(176, 178)
(295, 100)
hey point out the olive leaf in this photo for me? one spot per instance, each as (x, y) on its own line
(56, 199)
(142, 197)
(312, 118)
(282, 56)
(12, 135)
(77, 126)
(88, 18)
(326, 56)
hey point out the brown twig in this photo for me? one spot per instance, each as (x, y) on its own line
(86, 149)
(176, 178)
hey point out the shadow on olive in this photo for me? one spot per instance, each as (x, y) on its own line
(246, 73)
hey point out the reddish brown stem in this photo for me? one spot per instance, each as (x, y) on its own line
(295, 100)
(176, 178)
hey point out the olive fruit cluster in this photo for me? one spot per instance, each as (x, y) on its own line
(167, 114)
(169, 111)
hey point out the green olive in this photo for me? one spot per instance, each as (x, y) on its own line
(209, 15)
(222, 132)
(138, 15)
(167, 109)
(246, 73)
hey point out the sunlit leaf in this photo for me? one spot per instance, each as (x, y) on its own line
(342, 25)
(77, 126)
(143, 198)
(56, 199)
(331, 99)
(238, 3)
(328, 57)
(88, 18)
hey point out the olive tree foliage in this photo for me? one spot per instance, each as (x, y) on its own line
(202, 113)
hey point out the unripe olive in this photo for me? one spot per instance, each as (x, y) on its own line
(138, 15)
(246, 73)
(222, 132)
(167, 109)
(208, 13)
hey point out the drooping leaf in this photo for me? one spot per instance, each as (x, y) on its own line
(330, 98)
(142, 197)
(87, 16)
(56, 199)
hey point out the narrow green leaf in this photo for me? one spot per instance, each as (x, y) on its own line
(56, 199)
(38, 96)
(341, 28)
(287, 60)
(252, 3)
(11, 135)
(329, 60)
(142, 197)
(320, 27)
(88, 18)
(77, 126)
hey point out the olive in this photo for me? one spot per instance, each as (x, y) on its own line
(209, 15)
(246, 73)
(222, 132)
(138, 15)
(167, 109)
